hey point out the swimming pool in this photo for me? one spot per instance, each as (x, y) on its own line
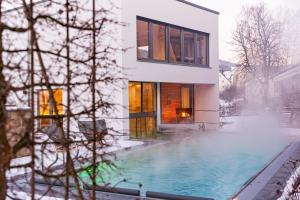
(211, 165)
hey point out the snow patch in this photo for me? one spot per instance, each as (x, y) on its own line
(289, 185)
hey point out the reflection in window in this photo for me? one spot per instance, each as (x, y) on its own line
(202, 49)
(185, 97)
(189, 47)
(143, 127)
(176, 102)
(175, 45)
(179, 46)
(142, 108)
(134, 97)
(142, 39)
(149, 97)
(159, 42)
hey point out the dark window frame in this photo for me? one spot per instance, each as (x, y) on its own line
(167, 45)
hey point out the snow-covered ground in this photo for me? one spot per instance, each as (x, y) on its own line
(56, 158)
(286, 194)
(50, 159)
(25, 196)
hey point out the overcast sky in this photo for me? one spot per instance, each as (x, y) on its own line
(229, 11)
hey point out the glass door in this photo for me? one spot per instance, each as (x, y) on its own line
(177, 103)
(142, 109)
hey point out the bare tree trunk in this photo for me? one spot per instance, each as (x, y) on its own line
(5, 148)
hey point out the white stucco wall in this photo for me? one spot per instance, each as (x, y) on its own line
(206, 105)
(177, 13)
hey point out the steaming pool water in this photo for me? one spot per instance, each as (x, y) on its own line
(206, 165)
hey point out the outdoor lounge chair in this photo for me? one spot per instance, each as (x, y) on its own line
(86, 128)
(55, 134)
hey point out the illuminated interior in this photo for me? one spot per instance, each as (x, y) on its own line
(176, 103)
(142, 109)
(46, 106)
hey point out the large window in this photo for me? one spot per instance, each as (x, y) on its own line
(176, 103)
(189, 47)
(202, 54)
(175, 45)
(161, 42)
(135, 99)
(142, 109)
(47, 108)
(142, 39)
(158, 41)
(149, 97)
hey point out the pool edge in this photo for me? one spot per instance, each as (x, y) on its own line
(254, 185)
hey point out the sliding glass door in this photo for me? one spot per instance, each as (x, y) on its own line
(142, 109)
(177, 103)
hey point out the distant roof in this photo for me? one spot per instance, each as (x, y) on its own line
(287, 68)
(198, 6)
(226, 65)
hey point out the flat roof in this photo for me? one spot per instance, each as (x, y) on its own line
(198, 6)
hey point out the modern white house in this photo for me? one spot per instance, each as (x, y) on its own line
(174, 65)
(171, 68)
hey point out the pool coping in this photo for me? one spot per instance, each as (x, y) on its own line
(264, 184)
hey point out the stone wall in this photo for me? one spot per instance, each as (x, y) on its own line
(17, 120)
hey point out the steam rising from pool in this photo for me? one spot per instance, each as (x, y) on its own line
(208, 164)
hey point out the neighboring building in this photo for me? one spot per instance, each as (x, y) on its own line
(171, 68)
(253, 92)
(284, 89)
(226, 72)
(240, 77)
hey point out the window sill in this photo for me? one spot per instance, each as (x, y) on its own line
(177, 64)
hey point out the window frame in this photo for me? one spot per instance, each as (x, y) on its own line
(137, 49)
(183, 44)
(207, 48)
(167, 45)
